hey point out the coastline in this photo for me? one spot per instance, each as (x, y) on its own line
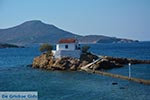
(88, 64)
(48, 62)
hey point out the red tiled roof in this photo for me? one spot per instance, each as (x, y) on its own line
(69, 40)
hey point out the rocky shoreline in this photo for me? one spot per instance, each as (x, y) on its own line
(48, 62)
(65, 63)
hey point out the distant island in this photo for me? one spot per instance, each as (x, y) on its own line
(104, 39)
(36, 32)
(2, 45)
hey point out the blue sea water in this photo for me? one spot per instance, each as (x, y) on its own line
(65, 85)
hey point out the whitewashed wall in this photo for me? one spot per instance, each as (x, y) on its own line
(71, 46)
(67, 53)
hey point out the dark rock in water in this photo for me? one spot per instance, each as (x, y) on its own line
(141, 82)
(114, 83)
(30, 65)
(122, 87)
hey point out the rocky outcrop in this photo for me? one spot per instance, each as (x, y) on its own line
(66, 63)
(126, 60)
(105, 64)
(88, 57)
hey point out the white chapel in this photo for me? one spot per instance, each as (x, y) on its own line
(67, 48)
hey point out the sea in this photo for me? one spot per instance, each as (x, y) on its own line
(15, 75)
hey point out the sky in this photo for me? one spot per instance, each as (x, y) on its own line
(116, 18)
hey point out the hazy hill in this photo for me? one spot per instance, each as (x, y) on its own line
(103, 39)
(33, 32)
(36, 31)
